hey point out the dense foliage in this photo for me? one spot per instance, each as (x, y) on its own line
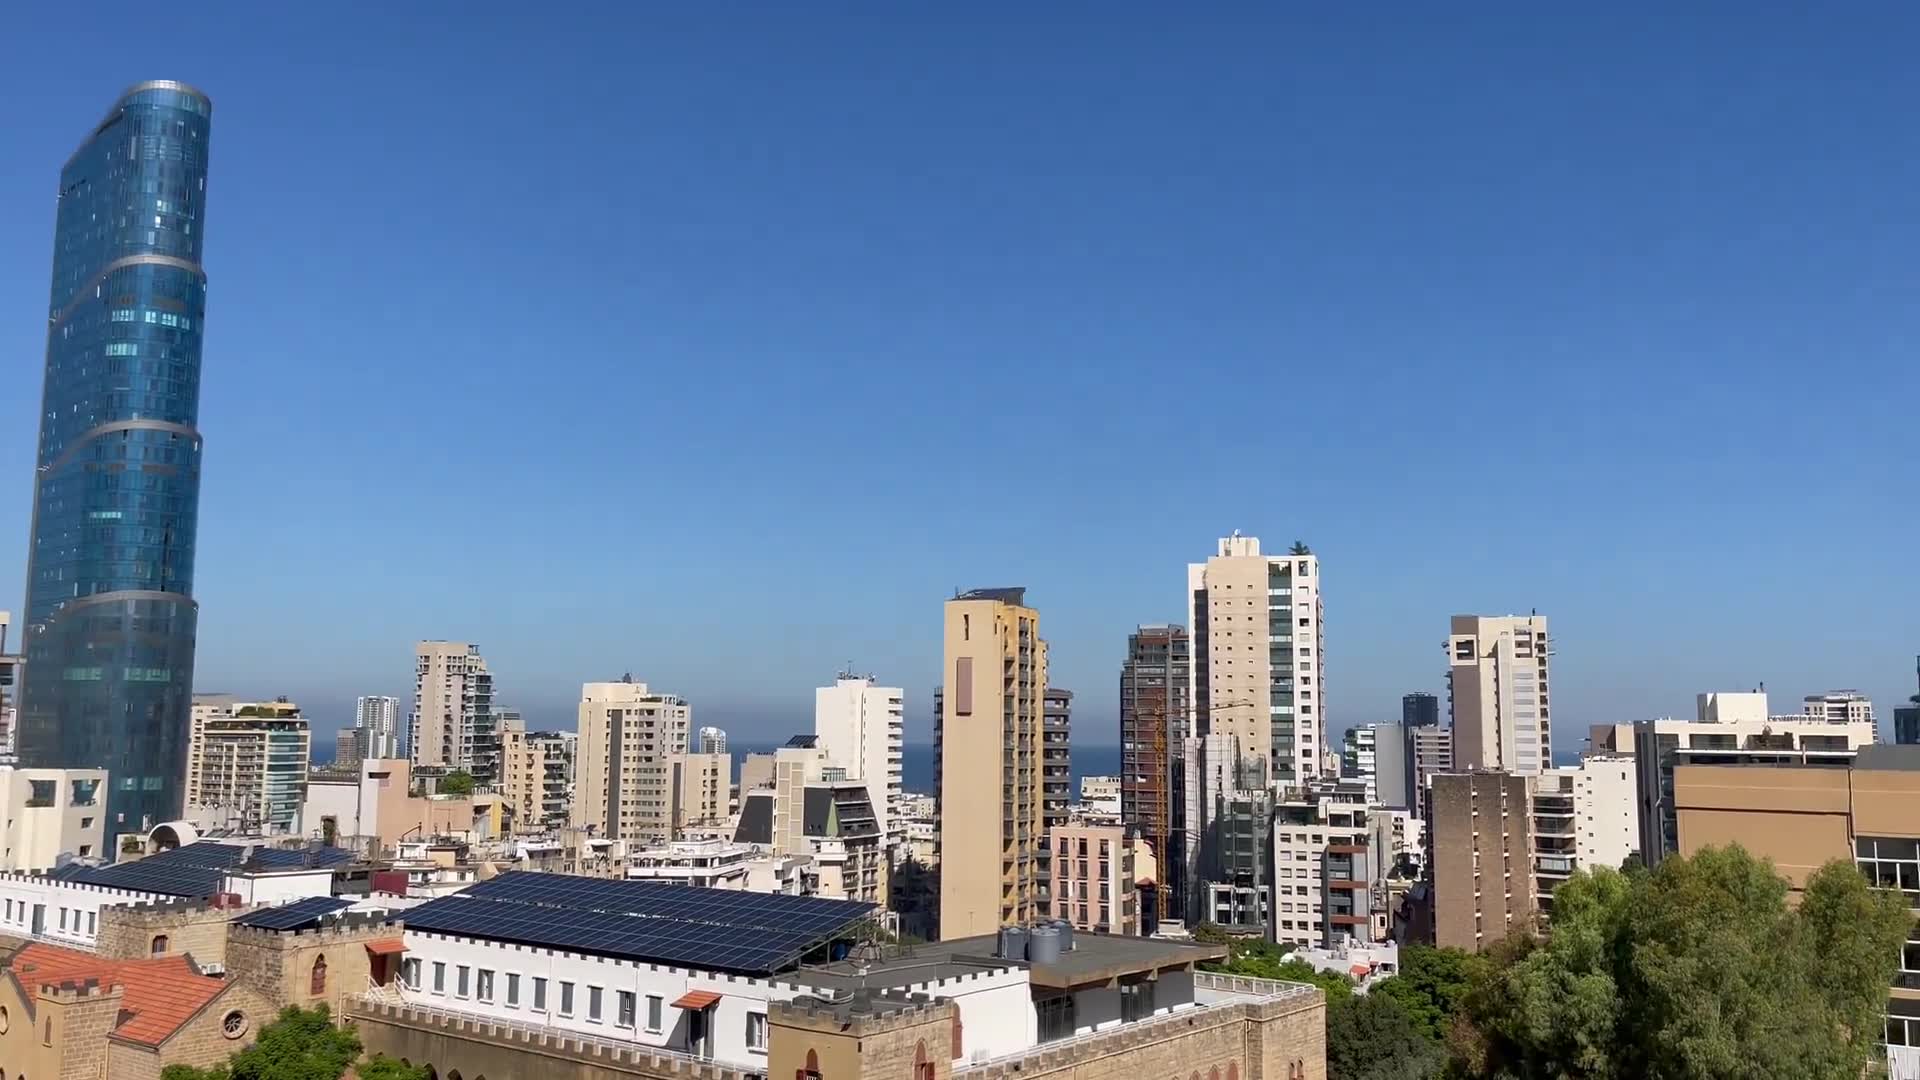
(1699, 970)
(300, 1044)
(457, 782)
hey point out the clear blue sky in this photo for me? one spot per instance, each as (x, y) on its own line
(720, 345)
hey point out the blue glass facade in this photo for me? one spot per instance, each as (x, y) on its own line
(110, 614)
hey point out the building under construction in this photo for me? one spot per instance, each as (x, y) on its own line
(1153, 719)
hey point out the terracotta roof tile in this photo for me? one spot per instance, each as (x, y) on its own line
(160, 994)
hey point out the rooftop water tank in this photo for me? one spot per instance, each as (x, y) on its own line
(1013, 943)
(1066, 934)
(1043, 945)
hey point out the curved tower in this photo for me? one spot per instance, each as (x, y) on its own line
(110, 615)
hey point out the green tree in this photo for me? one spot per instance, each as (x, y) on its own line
(457, 782)
(382, 1067)
(1699, 970)
(300, 1044)
(1430, 985)
(1300, 548)
(1371, 1037)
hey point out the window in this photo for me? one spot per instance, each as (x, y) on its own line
(566, 999)
(317, 979)
(93, 920)
(1056, 1017)
(539, 994)
(63, 918)
(410, 973)
(653, 1012)
(513, 990)
(462, 981)
(483, 988)
(626, 1008)
(439, 977)
(159, 946)
(1136, 1001)
(757, 1032)
(594, 996)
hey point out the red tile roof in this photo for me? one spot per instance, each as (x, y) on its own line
(160, 994)
(696, 999)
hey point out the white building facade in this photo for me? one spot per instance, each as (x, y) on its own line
(862, 727)
(379, 719)
(1498, 690)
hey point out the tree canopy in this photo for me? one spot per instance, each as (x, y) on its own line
(457, 782)
(1430, 986)
(300, 1044)
(1699, 970)
(1372, 1037)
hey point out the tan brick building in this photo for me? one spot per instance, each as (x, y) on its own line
(184, 928)
(69, 1015)
(317, 965)
(1482, 858)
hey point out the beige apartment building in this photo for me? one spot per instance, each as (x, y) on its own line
(536, 776)
(1481, 857)
(1094, 886)
(248, 758)
(988, 741)
(1258, 670)
(702, 789)
(50, 813)
(1803, 815)
(453, 726)
(1497, 688)
(629, 736)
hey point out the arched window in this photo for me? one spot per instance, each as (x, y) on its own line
(922, 1068)
(159, 946)
(811, 1071)
(319, 980)
(1233, 1070)
(1214, 1073)
(959, 1035)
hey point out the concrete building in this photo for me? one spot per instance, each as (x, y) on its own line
(249, 758)
(811, 809)
(988, 745)
(1101, 795)
(51, 815)
(1326, 870)
(1497, 692)
(1235, 871)
(1584, 816)
(379, 718)
(1093, 878)
(1056, 757)
(863, 730)
(722, 864)
(349, 748)
(1258, 669)
(1480, 844)
(1728, 728)
(702, 790)
(1839, 707)
(1803, 815)
(9, 691)
(536, 776)
(1376, 755)
(629, 735)
(1155, 709)
(452, 726)
(1429, 752)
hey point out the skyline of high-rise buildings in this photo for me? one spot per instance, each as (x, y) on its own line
(110, 620)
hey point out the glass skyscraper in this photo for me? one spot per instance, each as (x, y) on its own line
(110, 615)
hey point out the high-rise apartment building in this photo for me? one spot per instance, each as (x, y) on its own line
(1906, 720)
(349, 748)
(1429, 752)
(1154, 707)
(536, 775)
(988, 746)
(110, 617)
(1326, 870)
(1480, 845)
(1093, 878)
(1584, 816)
(1840, 707)
(1375, 756)
(712, 741)
(1497, 692)
(9, 690)
(629, 736)
(1056, 757)
(48, 813)
(249, 758)
(379, 718)
(702, 789)
(453, 726)
(1728, 728)
(1419, 709)
(862, 728)
(1258, 669)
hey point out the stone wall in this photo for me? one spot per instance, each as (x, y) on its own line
(82, 1016)
(484, 1050)
(197, 929)
(279, 964)
(200, 1042)
(899, 1038)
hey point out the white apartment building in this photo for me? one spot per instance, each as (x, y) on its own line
(1100, 794)
(1258, 670)
(453, 724)
(1497, 690)
(629, 736)
(51, 813)
(1584, 816)
(378, 719)
(248, 758)
(713, 740)
(862, 728)
(1727, 728)
(1840, 707)
(1360, 758)
(1325, 870)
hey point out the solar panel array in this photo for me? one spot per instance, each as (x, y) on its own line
(712, 929)
(194, 870)
(295, 916)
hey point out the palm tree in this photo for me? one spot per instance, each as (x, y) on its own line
(1300, 548)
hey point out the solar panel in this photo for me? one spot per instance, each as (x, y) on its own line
(714, 929)
(297, 915)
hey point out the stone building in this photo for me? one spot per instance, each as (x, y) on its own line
(193, 928)
(65, 1013)
(320, 962)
